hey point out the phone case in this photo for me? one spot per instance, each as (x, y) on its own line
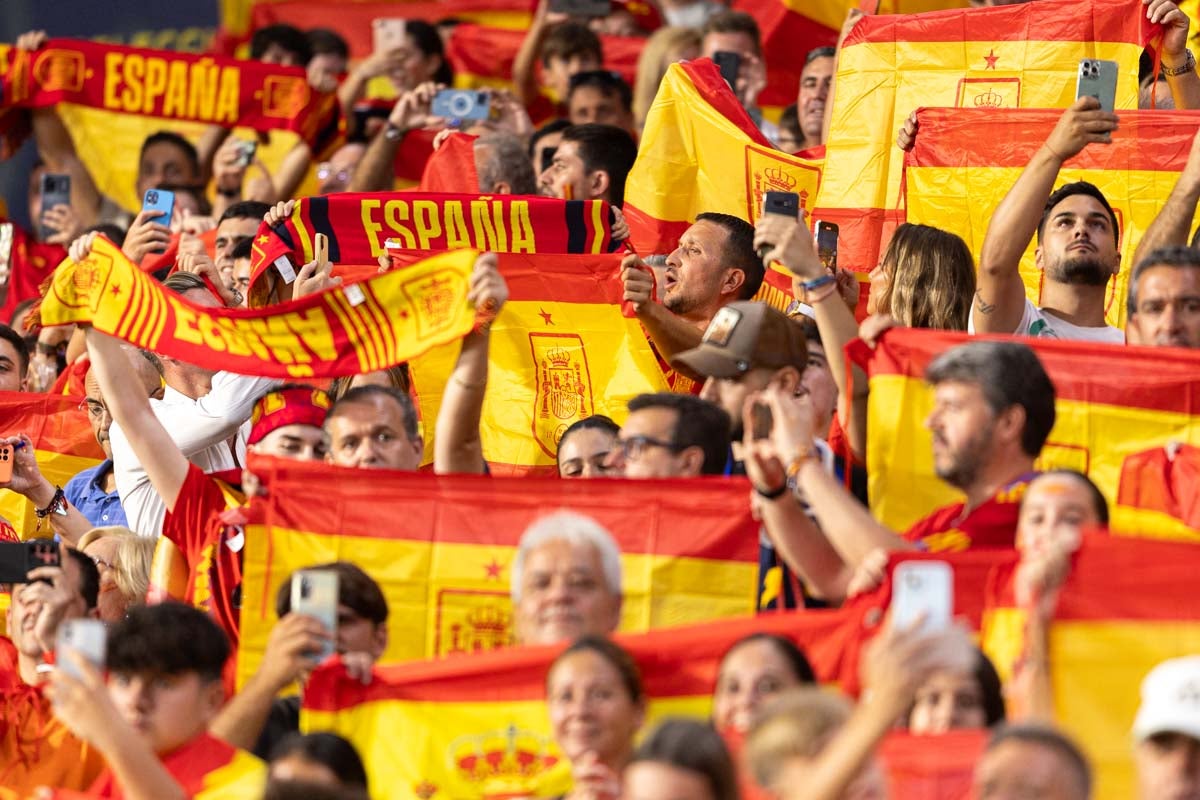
(1098, 78)
(922, 588)
(160, 200)
(387, 34)
(315, 594)
(7, 456)
(56, 191)
(87, 637)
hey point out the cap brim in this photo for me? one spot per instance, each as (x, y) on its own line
(1165, 720)
(711, 362)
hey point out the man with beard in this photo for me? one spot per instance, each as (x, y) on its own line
(993, 408)
(1078, 243)
(591, 163)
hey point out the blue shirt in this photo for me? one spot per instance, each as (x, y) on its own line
(86, 492)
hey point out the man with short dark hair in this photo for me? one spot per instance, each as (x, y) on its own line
(14, 361)
(564, 49)
(1032, 761)
(671, 436)
(1164, 299)
(1078, 238)
(816, 78)
(600, 96)
(714, 265)
(238, 223)
(591, 163)
(738, 32)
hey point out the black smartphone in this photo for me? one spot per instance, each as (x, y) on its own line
(18, 559)
(827, 243)
(582, 8)
(729, 63)
(56, 191)
(784, 203)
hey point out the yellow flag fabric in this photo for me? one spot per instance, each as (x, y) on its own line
(1015, 56)
(442, 548)
(965, 161)
(1117, 434)
(700, 152)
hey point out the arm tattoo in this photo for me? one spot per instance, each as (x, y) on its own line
(983, 306)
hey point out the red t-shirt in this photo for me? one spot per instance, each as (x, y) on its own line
(210, 535)
(202, 765)
(992, 524)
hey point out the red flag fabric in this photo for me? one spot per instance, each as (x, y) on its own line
(451, 168)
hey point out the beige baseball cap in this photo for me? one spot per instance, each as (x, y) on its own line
(744, 335)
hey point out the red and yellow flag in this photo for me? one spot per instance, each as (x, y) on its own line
(966, 160)
(63, 440)
(1015, 56)
(700, 151)
(478, 727)
(442, 548)
(1127, 605)
(1104, 428)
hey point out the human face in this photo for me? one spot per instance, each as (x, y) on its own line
(230, 233)
(961, 423)
(330, 64)
(817, 382)
(163, 162)
(1168, 308)
(295, 767)
(111, 605)
(731, 393)
(297, 442)
(167, 710)
(696, 274)
(22, 614)
(593, 104)
(880, 282)
(751, 674)
(590, 708)
(1016, 770)
(278, 54)
(1168, 767)
(334, 175)
(736, 42)
(654, 780)
(564, 595)
(815, 80)
(12, 377)
(98, 416)
(1077, 244)
(566, 178)
(658, 457)
(241, 278)
(557, 72)
(417, 68)
(584, 453)
(1053, 510)
(357, 634)
(947, 701)
(371, 433)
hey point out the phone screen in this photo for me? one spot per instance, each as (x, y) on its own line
(827, 243)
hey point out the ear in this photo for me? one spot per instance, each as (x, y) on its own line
(732, 282)
(692, 461)
(786, 378)
(213, 697)
(598, 183)
(379, 642)
(1037, 256)
(419, 446)
(502, 187)
(1010, 423)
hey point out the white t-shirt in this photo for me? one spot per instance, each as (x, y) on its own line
(1042, 324)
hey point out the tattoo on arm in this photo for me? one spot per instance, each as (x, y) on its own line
(983, 306)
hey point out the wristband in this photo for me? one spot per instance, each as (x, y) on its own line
(1188, 65)
(815, 297)
(772, 494)
(817, 283)
(57, 505)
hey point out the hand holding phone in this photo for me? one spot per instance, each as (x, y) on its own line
(18, 559)
(388, 34)
(827, 244)
(922, 592)
(56, 191)
(8, 457)
(729, 63)
(87, 638)
(315, 594)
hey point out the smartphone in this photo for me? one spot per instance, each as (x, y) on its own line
(56, 191)
(462, 104)
(729, 63)
(582, 8)
(6, 245)
(87, 637)
(827, 240)
(763, 421)
(387, 34)
(922, 588)
(315, 593)
(247, 148)
(7, 458)
(1098, 79)
(548, 154)
(321, 249)
(784, 203)
(17, 559)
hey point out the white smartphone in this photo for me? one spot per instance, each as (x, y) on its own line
(315, 594)
(922, 590)
(87, 637)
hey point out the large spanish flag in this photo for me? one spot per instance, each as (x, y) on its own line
(478, 727)
(1124, 415)
(700, 151)
(1016, 56)
(442, 548)
(1127, 605)
(966, 160)
(63, 440)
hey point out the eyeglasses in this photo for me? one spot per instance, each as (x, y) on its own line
(101, 563)
(635, 446)
(94, 408)
(325, 169)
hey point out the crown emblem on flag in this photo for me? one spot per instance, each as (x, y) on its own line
(489, 619)
(988, 99)
(85, 278)
(779, 180)
(559, 357)
(504, 755)
(425, 790)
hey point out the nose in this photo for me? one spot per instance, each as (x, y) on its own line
(709, 391)
(615, 460)
(544, 178)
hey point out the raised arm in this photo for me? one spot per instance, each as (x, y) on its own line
(1173, 225)
(671, 334)
(456, 445)
(1179, 65)
(376, 171)
(1000, 297)
(525, 64)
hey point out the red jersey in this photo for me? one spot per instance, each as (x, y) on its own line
(992, 524)
(202, 766)
(36, 749)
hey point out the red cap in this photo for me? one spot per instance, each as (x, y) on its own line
(296, 406)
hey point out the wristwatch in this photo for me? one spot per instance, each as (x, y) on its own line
(393, 133)
(1188, 66)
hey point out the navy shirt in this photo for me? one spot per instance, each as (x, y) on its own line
(86, 492)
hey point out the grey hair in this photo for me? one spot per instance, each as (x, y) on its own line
(507, 162)
(1176, 256)
(574, 528)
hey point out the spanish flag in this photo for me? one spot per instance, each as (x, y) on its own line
(442, 548)
(700, 151)
(478, 727)
(1105, 428)
(63, 440)
(1127, 605)
(1015, 56)
(966, 160)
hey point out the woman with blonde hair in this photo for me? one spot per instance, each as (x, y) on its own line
(123, 559)
(926, 279)
(664, 47)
